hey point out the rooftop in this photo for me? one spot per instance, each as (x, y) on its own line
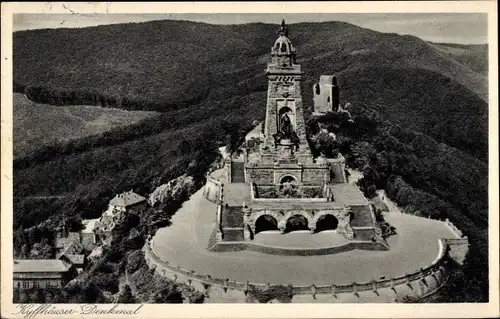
(255, 132)
(63, 242)
(75, 259)
(70, 248)
(40, 265)
(127, 199)
(90, 225)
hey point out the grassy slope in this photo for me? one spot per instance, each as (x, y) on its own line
(41, 124)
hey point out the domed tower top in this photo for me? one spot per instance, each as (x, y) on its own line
(283, 29)
(283, 52)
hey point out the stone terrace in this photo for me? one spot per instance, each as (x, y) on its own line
(184, 243)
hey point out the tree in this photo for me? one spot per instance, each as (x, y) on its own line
(135, 261)
(25, 252)
(92, 294)
(192, 296)
(25, 297)
(39, 296)
(16, 296)
(126, 295)
(167, 293)
(41, 251)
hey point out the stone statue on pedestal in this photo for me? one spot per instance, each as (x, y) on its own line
(285, 126)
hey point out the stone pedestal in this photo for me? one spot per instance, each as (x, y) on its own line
(218, 235)
(247, 234)
(228, 169)
(312, 227)
(247, 229)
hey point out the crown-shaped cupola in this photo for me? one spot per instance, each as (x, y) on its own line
(283, 52)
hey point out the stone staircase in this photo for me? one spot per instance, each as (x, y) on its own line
(238, 172)
(232, 223)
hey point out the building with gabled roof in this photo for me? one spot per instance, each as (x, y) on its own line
(126, 200)
(42, 273)
(77, 260)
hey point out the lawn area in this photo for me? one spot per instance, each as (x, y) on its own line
(37, 124)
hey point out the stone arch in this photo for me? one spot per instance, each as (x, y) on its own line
(326, 222)
(284, 47)
(257, 214)
(265, 222)
(341, 214)
(288, 107)
(307, 215)
(296, 222)
(287, 178)
(284, 109)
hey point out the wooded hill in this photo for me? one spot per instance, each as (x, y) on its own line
(421, 107)
(165, 65)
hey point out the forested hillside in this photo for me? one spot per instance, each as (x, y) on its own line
(421, 113)
(425, 178)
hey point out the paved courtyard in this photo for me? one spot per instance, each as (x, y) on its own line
(185, 242)
(300, 239)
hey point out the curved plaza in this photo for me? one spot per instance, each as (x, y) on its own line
(185, 243)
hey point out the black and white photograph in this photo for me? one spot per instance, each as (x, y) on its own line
(248, 158)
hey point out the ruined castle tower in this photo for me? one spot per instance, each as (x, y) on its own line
(326, 95)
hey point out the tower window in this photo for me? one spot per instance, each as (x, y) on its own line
(316, 88)
(328, 99)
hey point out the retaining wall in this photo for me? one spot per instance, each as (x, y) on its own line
(454, 229)
(418, 284)
(248, 245)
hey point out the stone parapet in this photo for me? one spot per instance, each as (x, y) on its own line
(419, 284)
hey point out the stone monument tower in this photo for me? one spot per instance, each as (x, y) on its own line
(284, 130)
(273, 179)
